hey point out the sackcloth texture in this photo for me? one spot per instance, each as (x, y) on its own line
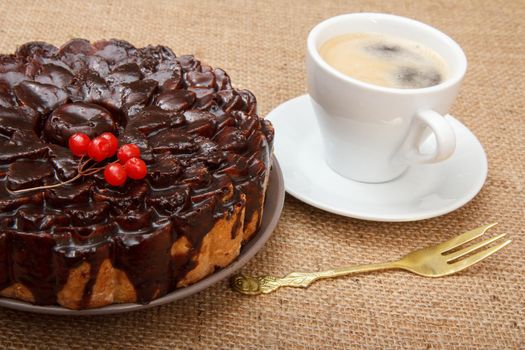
(261, 44)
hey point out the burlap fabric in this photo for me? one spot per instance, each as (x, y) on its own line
(262, 46)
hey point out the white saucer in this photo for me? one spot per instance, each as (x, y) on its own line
(422, 192)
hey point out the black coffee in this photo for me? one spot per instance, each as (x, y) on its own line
(384, 60)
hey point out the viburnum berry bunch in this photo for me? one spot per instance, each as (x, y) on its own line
(128, 163)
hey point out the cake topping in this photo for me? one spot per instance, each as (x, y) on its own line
(99, 149)
(79, 144)
(135, 168)
(128, 151)
(23, 175)
(113, 143)
(88, 118)
(115, 174)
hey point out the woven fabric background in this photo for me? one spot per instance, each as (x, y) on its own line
(262, 46)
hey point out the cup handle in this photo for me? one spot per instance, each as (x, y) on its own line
(445, 139)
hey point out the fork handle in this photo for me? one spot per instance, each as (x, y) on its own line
(268, 284)
(348, 270)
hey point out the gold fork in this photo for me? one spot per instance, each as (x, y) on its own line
(436, 261)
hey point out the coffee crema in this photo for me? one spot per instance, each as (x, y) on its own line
(385, 60)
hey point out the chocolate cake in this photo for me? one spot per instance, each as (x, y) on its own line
(87, 244)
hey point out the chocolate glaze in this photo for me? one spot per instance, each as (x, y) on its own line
(201, 139)
(69, 118)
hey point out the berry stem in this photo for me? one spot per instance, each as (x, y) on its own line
(61, 183)
(80, 172)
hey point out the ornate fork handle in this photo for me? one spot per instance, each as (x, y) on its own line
(267, 284)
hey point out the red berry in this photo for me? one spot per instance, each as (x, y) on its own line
(136, 168)
(113, 142)
(79, 143)
(98, 149)
(115, 174)
(128, 151)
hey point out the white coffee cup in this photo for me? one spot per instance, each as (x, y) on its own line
(373, 133)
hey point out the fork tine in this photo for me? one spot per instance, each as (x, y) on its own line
(470, 249)
(471, 260)
(464, 238)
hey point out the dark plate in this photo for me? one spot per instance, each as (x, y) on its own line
(272, 211)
